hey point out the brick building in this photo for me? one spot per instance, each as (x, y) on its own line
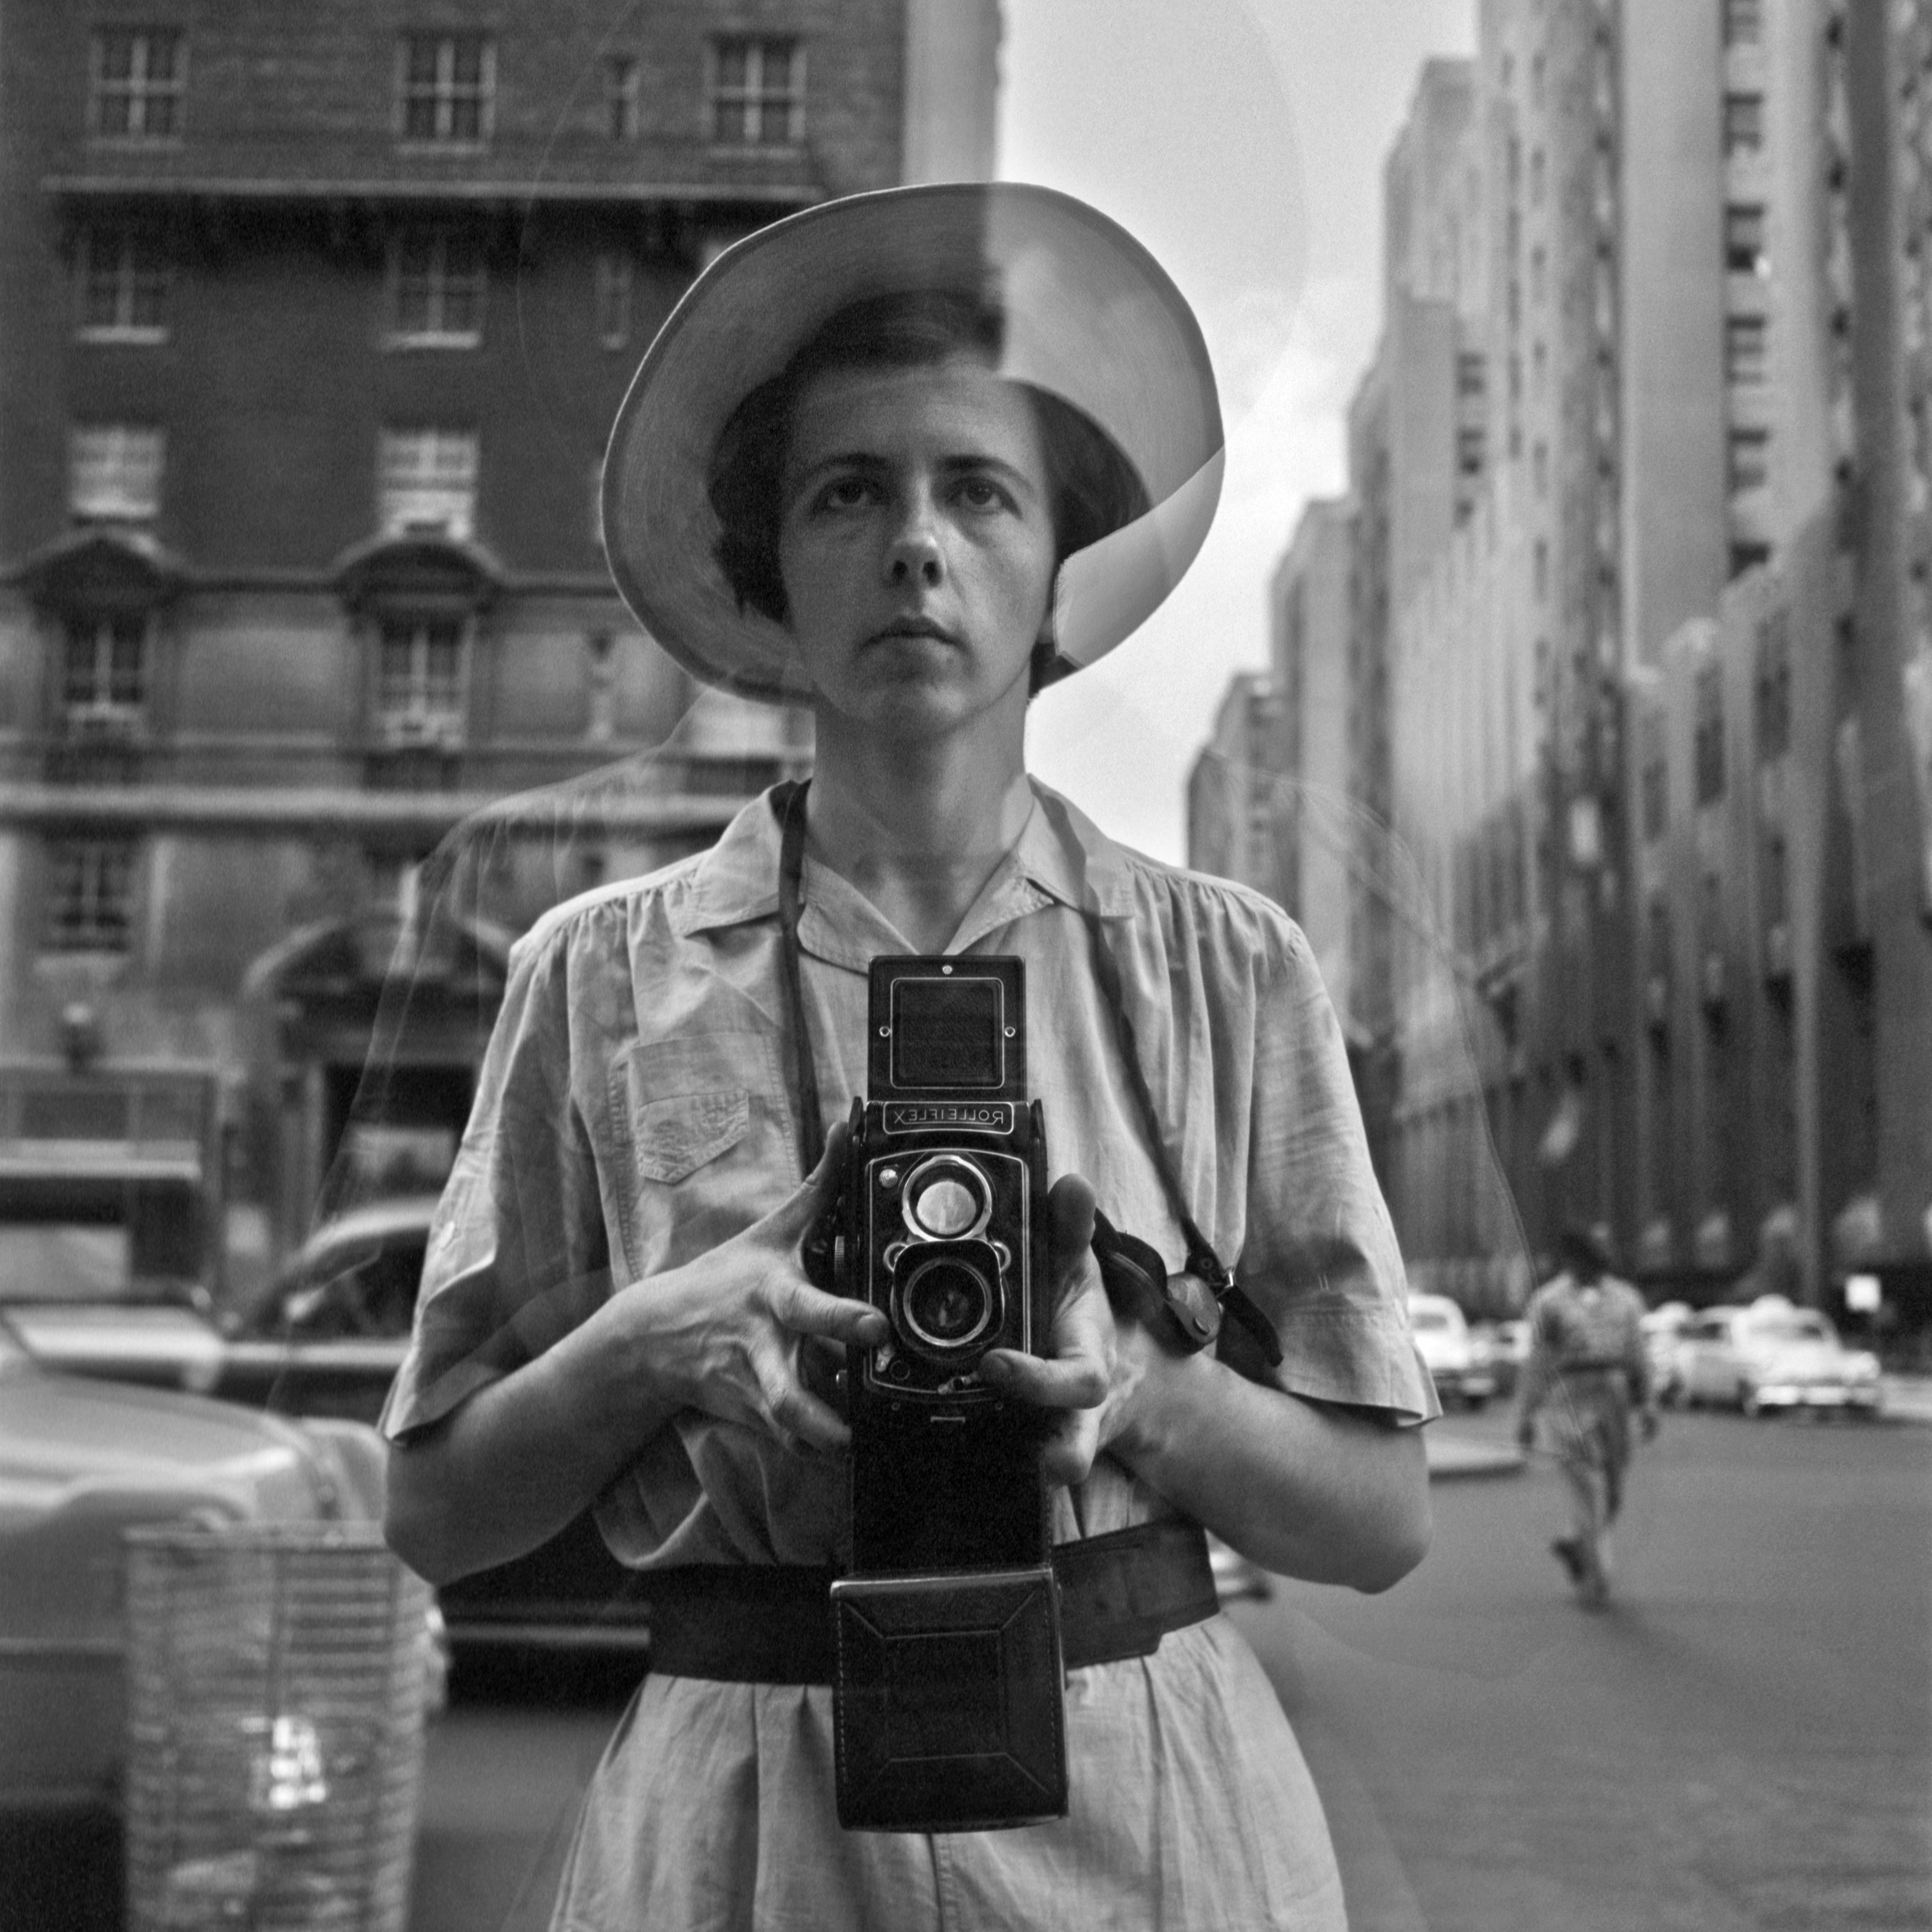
(314, 320)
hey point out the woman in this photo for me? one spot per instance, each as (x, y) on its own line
(1587, 1364)
(904, 458)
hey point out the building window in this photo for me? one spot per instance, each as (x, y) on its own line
(1747, 348)
(1750, 459)
(1707, 745)
(114, 473)
(1776, 881)
(439, 289)
(1744, 123)
(124, 284)
(104, 675)
(757, 92)
(1470, 373)
(1469, 450)
(419, 680)
(136, 80)
(1744, 23)
(449, 87)
(427, 481)
(621, 98)
(1653, 778)
(1774, 686)
(1746, 246)
(614, 300)
(91, 895)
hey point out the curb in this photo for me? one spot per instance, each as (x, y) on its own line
(1452, 1455)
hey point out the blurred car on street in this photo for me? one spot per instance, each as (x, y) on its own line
(325, 1339)
(1236, 1576)
(1771, 1354)
(81, 1461)
(1663, 1329)
(1441, 1332)
(1501, 1347)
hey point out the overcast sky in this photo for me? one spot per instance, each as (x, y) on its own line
(1243, 141)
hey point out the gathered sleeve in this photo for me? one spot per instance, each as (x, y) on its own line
(518, 1254)
(1319, 1253)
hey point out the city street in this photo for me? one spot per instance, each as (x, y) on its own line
(1744, 1740)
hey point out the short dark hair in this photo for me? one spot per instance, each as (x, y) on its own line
(1093, 488)
(1584, 1252)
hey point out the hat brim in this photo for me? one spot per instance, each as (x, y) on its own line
(1090, 317)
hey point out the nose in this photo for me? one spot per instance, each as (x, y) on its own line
(915, 555)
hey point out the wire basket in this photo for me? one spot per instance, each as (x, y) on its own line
(276, 1677)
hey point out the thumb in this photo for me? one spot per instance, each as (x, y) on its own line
(796, 1214)
(1070, 1205)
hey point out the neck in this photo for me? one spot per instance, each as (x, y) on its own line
(920, 827)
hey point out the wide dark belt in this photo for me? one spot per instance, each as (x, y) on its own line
(1120, 1594)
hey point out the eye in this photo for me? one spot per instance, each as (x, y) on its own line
(845, 493)
(982, 493)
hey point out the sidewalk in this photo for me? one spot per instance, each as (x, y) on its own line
(1907, 1398)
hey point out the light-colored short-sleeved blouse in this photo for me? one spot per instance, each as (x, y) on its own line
(636, 1108)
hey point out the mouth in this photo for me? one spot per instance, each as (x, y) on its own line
(903, 627)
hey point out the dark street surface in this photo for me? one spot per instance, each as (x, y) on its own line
(1742, 1740)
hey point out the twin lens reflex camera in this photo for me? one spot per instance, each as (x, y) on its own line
(948, 1658)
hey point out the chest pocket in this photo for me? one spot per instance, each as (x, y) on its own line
(704, 1123)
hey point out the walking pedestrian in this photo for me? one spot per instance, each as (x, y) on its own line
(905, 458)
(1588, 1367)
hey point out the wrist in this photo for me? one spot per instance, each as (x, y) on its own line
(1151, 1413)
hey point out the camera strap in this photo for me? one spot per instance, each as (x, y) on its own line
(788, 802)
(1125, 1259)
(1132, 1267)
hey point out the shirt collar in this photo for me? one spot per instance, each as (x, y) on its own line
(1060, 850)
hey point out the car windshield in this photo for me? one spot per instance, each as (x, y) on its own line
(1790, 1328)
(1428, 1318)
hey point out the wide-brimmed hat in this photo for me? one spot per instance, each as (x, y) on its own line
(1089, 317)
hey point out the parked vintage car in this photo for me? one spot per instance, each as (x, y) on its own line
(1502, 1347)
(1663, 1328)
(1442, 1334)
(325, 1340)
(83, 1461)
(1770, 1353)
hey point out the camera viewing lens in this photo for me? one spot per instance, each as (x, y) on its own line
(947, 1303)
(945, 1198)
(947, 1207)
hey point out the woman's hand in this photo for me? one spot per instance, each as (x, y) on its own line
(1095, 1361)
(728, 1333)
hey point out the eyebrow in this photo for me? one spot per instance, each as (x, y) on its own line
(870, 463)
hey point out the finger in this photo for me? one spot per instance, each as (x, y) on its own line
(797, 1417)
(805, 1310)
(1078, 1380)
(1067, 1456)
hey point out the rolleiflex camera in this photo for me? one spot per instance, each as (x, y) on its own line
(948, 1675)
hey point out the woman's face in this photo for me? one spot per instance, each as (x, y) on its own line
(916, 542)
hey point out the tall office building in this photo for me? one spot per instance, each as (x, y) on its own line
(1637, 653)
(314, 319)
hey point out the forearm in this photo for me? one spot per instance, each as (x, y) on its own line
(1305, 1489)
(522, 1457)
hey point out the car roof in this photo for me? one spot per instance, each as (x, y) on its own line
(401, 1216)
